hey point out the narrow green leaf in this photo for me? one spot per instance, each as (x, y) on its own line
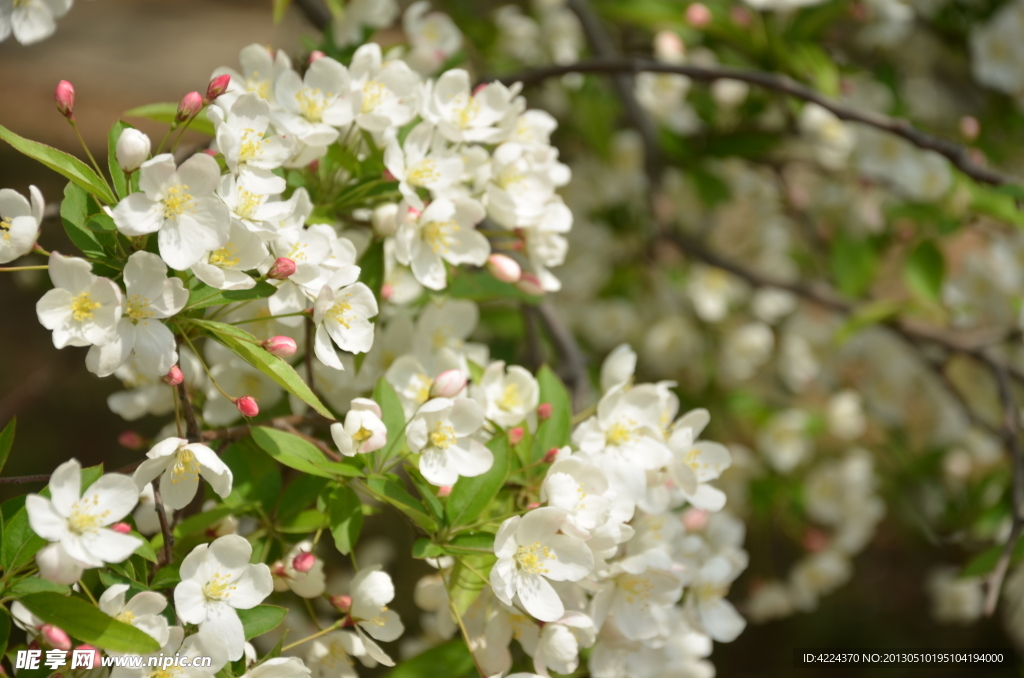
(482, 286)
(246, 347)
(204, 296)
(203, 520)
(30, 585)
(393, 417)
(424, 548)
(7, 441)
(87, 623)
(853, 264)
(393, 493)
(371, 266)
(554, 432)
(300, 494)
(346, 512)
(261, 619)
(20, 542)
(476, 542)
(304, 522)
(453, 657)
(470, 496)
(5, 630)
(75, 210)
(429, 494)
(167, 112)
(296, 453)
(117, 175)
(60, 162)
(924, 270)
(166, 577)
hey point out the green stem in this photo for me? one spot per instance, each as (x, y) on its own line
(321, 632)
(95, 164)
(268, 317)
(24, 268)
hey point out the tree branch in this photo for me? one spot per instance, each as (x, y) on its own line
(573, 360)
(958, 155)
(316, 12)
(191, 425)
(167, 553)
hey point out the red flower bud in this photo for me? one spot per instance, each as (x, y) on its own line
(282, 269)
(515, 435)
(970, 127)
(550, 455)
(303, 562)
(544, 411)
(815, 540)
(217, 86)
(342, 603)
(281, 346)
(97, 657)
(123, 528)
(695, 520)
(698, 15)
(55, 637)
(444, 490)
(247, 406)
(532, 505)
(530, 284)
(316, 54)
(174, 376)
(189, 107)
(131, 440)
(64, 95)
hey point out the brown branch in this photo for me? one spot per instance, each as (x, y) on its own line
(167, 554)
(959, 155)
(316, 12)
(573, 361)
(191, 425)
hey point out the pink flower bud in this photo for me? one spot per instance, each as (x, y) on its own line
(342, 603)
(532, 505)
(210, 152)
(550, 455)
(530, 284)
(131, 440)
(217, 86)
(174, 376)
(444, 490)
(970, 127)
(515, 435)
(189, 107)
(504, 268)
(122, 528)
(281, 346)
(278, 569)
(316, 54)
(55, 637)
(740, 16)
(448, 384)
(387, 291)
(313, 165)
(695, 520)
(282, 269)
(64, 95)
(303, 562)
(698, 15)
(247, 406)
(97, 657)
(815, 540)
(544, 411)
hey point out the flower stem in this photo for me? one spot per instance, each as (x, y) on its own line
(87, 592)
(10, 269)
(268, 317)
(321, 632)
(95, 164)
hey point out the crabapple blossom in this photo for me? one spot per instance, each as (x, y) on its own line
(82, 309)
(19, 222)
(441, 433)
(463, 114)
(314, 106)
(415, 164)
(224, 267)
(363, 430)
(372, 590)
(132, 149)
(342, 316)
(443, 232)
(306, 581)
(434, 37)
(390, 90)
(179, 464)
(251, 150)
(509, 395)
(31, 20)
(143, 610)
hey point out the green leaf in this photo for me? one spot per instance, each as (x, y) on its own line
(20, 542)
(346, 512)
(429, 494)
(144, 550)
(300, 494)
(204, 296)
(393, 417)
(453, 657)
(85, 622)
(371, 266)
(30, 585)
(257, 477)
(280, 7)
(246, 347)
(304, 522)
(166, 113)
(470, 496)
(482, 286)
(853, 264)
(75, 211)
(203, 520)
(924, 270)
(554, 432)
(983, 563)
(7, 441)
(166, 577)
(477, 542)
(389, 491)
(424, 548)
(261, 619)
(296, 453)
(62, 163)
(5, 630)
(120, 179)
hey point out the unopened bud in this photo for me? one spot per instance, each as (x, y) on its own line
(217, 86)
(281, 346)
(303, 562)
(174, 376)
(64, 95)
(550, 455)
(189, 107)
(530, 284)
(695, 520)
(387, 291)
(448, 384)
(316, 54)
(444, 490)
(970, 127)
(282, 269)
(740, 16)
(698, 15)
(815, 540)
(247, 406)
(132, 149)
(532, 505)
(97, 656)
(342, 603)
(385, 219)
(210, 152)
(122, 528)
(55, 637)
(515, 435)
(544, 411)
(504, 268)
(131, 440)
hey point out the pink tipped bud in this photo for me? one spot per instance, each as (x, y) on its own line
(698, 15)
(515, 435)
(504, 268)
(550, 455)
(448, 384)
(316, 54)
(544, 411)
(342, 603)
(695, 520)
(740, 16)
(131, 440)
(96, 660)
(210, 152)
(388, 176)
(970, 127)
(530, 284)
(303, 562)
(532, 505)
(277, 569)
(281, 346)
(247, 406)
(217, 86)
(174, 376)
(444, 490)
(122, 528)
(64, 95)
(313, 165)
(189, 107)
(55, 637)
(815, 540)
(387, 291)
(282, 269)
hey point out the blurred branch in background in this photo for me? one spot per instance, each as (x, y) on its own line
(1011, 437)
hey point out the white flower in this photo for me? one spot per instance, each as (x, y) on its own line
(463, 114)
(242, 136)
(363, 430)
(260, 68)
(531, 554)
(150, 297)
(833, 139)
(217, 579)
(579, 488)
(179, 465)
(846, 419)
(441, 433)
(618, 367)
(342, 315)
(315, 105)
(143, 611)
(359, 14)
(518, 190)
(411, 382)
(196, 645)
(79, 521)
(784, 441)
(444, 231)
(389, 90)
(57, 566)
(308, 584)
(637, 585)
(330, 655)
(82, 309)
(180, 205)
(132, 149)
(434, 37)
(225, 268)
(279, 667)
(706, 600)
(415, 165)
(31, 20)
(509, 396)
(19, 222)
(372, 590)
(694, 462)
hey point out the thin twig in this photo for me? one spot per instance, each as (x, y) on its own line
(191, 425)
(316, 12)
(957, 154)
(534, 356)
(168, 550)
(573, 361)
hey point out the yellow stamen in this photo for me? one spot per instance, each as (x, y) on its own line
(82, 307)
(178, 201)
(529, 558)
